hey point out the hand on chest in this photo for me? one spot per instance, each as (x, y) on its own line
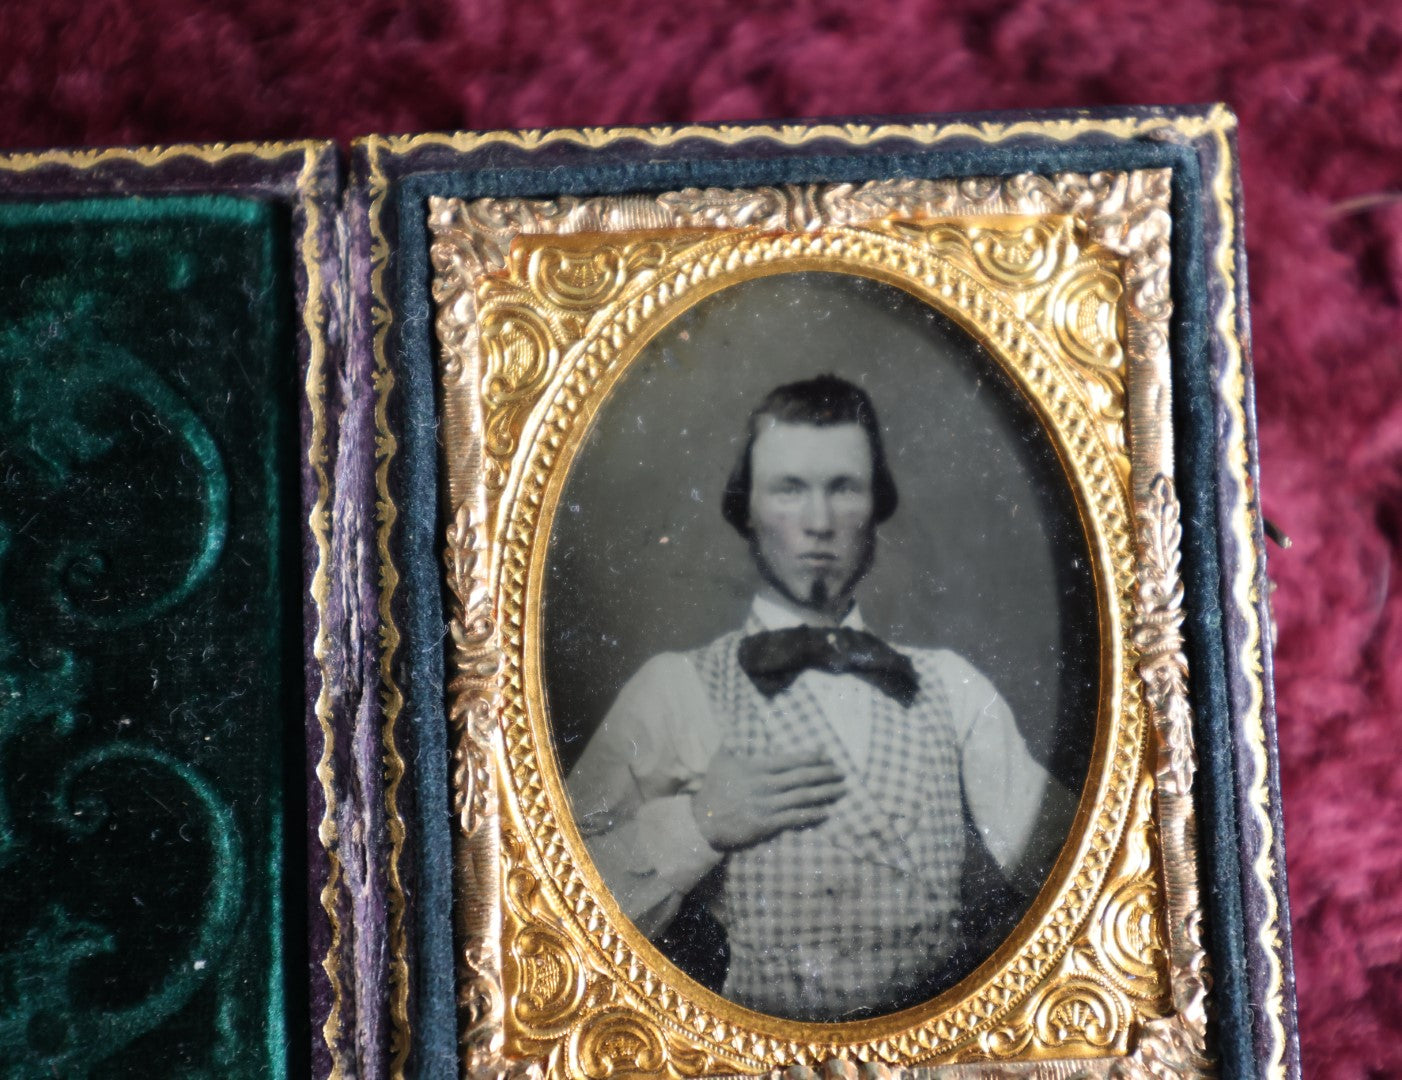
(901, 761)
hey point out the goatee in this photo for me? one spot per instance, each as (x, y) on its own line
(823, 590)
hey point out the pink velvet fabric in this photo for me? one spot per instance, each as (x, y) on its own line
(1318, 89)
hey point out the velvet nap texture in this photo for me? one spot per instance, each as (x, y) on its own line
(1318, 89)
(149, 647)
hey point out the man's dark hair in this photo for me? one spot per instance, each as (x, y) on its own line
(824, 401)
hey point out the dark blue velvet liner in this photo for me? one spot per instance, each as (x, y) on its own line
(1195, 420)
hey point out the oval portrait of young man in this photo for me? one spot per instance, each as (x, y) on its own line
(821, 655)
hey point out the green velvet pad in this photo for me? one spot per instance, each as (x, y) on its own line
(149, 640)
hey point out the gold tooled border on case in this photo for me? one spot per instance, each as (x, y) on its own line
(392, 698)
(1246, 530)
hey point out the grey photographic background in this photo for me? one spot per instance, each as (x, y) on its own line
(984, 555)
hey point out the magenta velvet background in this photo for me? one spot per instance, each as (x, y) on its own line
(1318, 89)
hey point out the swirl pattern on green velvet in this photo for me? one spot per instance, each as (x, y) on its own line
(149, 671)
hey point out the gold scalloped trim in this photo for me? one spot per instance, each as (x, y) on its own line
(1246, 528)
(392, 698)
(1218, 119)
(148, 156)
(319, 523)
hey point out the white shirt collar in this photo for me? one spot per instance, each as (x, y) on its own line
(774, 616)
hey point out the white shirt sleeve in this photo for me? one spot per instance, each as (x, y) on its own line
(1008, 791)
(631, 791)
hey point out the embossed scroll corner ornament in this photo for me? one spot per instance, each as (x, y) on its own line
(1078, 1013)
(1058, 283)
(1113, 982)
(570, 1018)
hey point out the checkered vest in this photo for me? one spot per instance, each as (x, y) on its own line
(846, 919)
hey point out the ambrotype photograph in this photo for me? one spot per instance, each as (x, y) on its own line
(821, 652)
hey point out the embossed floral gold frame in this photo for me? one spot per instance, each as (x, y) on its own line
(541, 307)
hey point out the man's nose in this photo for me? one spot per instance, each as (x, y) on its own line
(817, 513)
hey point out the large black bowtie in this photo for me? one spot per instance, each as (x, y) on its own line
(773, 659)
